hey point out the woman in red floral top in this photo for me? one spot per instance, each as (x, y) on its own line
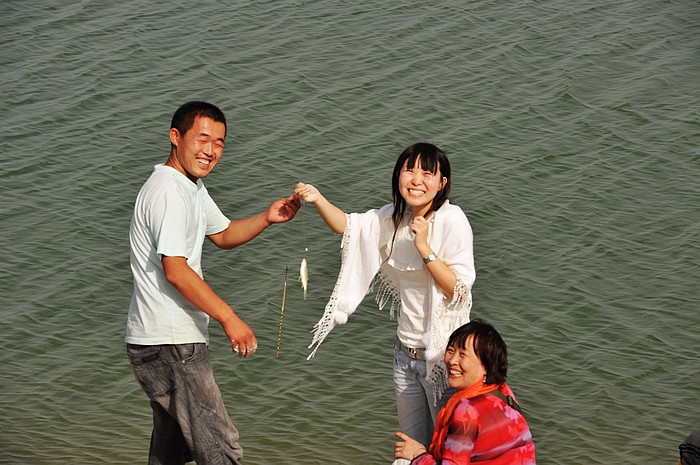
(481, 423)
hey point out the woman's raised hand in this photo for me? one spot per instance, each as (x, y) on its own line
(332, 215)
(306, 192)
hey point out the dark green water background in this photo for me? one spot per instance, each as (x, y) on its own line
(574, 135)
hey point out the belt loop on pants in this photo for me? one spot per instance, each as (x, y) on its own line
(417, 354)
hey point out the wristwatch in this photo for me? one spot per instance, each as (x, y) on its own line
(429, 258)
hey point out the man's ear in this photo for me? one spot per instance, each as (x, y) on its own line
(174, 136)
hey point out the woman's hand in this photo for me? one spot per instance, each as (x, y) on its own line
(306, 192)
(419, 227)
(407, 449)
(443, 275)
(333, 216)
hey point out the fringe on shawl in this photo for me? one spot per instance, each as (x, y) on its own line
(438, 379)
(385, 293)
(446, 318)
(326, 323)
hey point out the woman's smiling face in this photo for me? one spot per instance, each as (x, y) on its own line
(463, 366)
(419, 187)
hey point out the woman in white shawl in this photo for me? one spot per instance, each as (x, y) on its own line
(418, 252)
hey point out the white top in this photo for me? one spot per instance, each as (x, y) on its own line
(405, 266)
(413, 318)
(172, 216)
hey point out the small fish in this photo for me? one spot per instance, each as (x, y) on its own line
(304, 276)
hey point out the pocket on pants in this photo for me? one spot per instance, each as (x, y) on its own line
(152, 372)
(194, 353)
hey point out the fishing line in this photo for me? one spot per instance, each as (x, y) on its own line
(303, 234)
(303, 268)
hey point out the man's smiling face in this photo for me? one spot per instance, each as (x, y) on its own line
(197, 152)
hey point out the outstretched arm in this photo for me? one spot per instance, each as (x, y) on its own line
(193, 288)
(241, 231)
(332, 215)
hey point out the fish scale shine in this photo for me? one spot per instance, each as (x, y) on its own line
(304, 276)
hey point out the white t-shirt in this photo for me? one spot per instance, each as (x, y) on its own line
(405, 266)
(172, 217)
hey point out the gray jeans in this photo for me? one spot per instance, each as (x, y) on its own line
(414, 398)
(190, 421)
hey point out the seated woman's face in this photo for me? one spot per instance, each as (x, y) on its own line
(463, 366)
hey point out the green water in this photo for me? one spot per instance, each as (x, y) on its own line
(573, 132)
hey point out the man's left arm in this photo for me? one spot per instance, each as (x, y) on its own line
(241, 231)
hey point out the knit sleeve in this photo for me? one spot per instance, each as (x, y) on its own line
(360, 261)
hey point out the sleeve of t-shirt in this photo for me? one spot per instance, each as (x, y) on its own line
(216, 220)
(168, 220)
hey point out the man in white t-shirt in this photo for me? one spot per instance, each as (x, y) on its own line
(166, 331)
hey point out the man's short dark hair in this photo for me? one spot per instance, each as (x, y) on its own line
(184, 117)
